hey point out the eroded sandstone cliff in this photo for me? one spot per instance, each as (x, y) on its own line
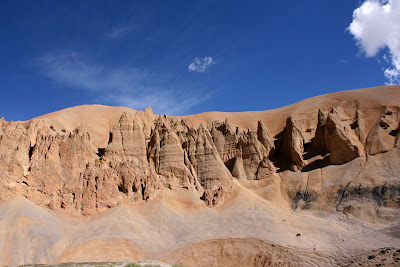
(318, 159)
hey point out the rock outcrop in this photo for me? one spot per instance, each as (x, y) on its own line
(265, 138)
(147, 154)
(293, 144)
(126, 139)
(341, 140)
(384, 134)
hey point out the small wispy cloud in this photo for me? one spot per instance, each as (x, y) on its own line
(125, 86)
(375, 26)
(201, 64)
(161, 102)
(120, 31)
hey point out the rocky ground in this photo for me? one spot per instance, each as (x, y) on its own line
(380, 257)
(105, 264)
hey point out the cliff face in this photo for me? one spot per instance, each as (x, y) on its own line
(342, 155)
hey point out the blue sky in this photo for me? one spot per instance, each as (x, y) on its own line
(181, 57)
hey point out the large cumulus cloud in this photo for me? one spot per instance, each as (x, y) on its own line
(376, 26)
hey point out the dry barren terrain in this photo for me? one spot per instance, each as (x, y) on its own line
(315, 183)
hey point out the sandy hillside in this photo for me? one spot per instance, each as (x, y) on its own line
(99, 119)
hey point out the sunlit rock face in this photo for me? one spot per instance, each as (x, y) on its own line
(67, 168)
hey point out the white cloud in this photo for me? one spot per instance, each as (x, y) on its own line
(161, 102)
(201, 64)
(125, 86)
(375, 26)
(120, 31)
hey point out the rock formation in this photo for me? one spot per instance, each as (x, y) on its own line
(126, 139)
(146, 153)
(341, 140)
(336, 153)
